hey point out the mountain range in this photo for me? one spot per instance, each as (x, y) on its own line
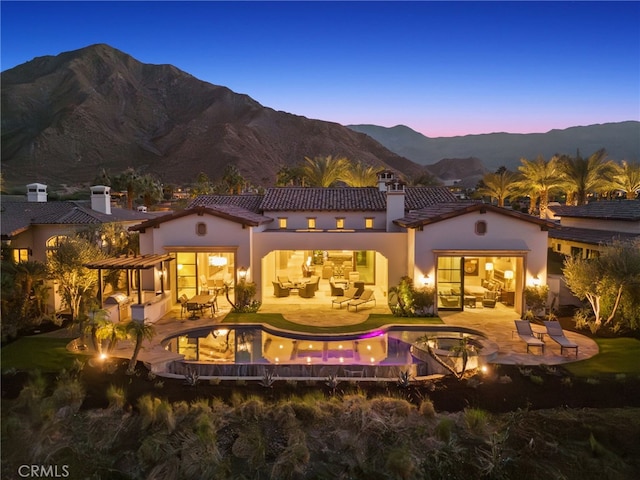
(621, 141)
(67, 118)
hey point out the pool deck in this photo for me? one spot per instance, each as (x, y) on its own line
(496, 323)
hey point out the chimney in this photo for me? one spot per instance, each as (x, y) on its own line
(384, 177)
(395, 204)
(36, 192)
(101, 199)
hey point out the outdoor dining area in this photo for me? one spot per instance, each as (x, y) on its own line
(198, 304)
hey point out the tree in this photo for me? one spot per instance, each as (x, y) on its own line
(129, 180)
(360, 175)
(232, 180)
(202, 185)
(500, 185)
(603, 280)
(324, 171)
(76, 283)
(138, 331)
(290, 176)
(585, 175)
(627, 178)
(539, 179)
(150, 189)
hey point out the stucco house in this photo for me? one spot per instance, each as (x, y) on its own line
(32, 226)
(373, 236)
(584, 229)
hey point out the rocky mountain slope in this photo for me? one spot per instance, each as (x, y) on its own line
(621, 140)
(67, 117)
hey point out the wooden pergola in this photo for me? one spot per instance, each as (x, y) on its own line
(131, 264)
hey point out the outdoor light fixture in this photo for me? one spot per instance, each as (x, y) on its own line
(536, 281)
(242, 272)
(426, 280)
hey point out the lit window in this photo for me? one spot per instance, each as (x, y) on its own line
(282, 222)
(339, 223)
(20, 255)
(311, 223)
(368, 223)
(481, 227)
(201, 229)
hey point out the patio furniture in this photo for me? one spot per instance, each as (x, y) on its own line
(183, 299)
(279, 290)
(366, 297)
(284, 281)
(349, 295)
(315, 281)
(327, 271)
(490, 299)
(194, 308)
(336, 290)
(526, 334)
(554, 330)
(360, 287)
(470, 301)
(449, 300)
(307, 290)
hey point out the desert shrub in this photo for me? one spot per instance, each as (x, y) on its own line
(427, 408)
(476, 419)
(444, 429)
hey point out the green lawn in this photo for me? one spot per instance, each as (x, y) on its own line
(375, 320)
(617, 355)
(46, 354)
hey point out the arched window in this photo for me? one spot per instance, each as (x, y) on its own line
(53, 243)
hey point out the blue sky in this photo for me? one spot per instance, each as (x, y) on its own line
(441, 68)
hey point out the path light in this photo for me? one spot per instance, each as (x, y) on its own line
(103, 356)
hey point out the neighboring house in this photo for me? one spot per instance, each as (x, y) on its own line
(584, 229)
(371, 235)
(32, 226)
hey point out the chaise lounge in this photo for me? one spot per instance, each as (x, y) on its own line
(525, 332)
(349, 295)
(554, 330)
(366, 297)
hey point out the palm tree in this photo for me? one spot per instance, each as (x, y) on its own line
(585, 175)
(360, 175)
(26, 276)
(150, 189)
(539, 179)
(627, 178)
(128, 180)
(325, 171)
(138, 331)
(500, 185)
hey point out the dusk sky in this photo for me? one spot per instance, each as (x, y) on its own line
(441, 68)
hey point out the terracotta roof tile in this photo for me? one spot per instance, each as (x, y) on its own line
(316, 198)
(249, 202)
(590, 236)
(603, 209)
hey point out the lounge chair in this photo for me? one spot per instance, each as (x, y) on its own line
(526, 334)
(554, 330)
(349, 295)
(366, 297)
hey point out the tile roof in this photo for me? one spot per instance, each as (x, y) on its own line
(442, 211)
(590, 236)
(421, 197)
(318, 199)
(230, 212)
(249, 202)
(349, 198)
(18, 216)
(603, 209)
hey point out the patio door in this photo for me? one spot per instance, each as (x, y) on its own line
(449, 283)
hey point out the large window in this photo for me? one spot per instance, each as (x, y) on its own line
(20, 255)
(449, 283)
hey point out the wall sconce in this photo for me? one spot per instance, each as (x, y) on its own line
(508, 276)
(536, 281)
(242, 273)
(426, 280)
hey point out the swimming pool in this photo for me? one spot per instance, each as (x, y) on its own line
(246, 350)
